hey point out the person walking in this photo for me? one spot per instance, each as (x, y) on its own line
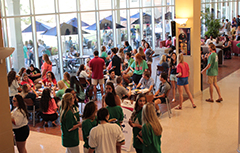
(212, 72)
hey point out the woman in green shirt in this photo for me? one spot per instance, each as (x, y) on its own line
(138, 67)
(62, 87)
(104, 55)
(69, 124)
(136, 121)
(76, 100)
(151, 130)
(89, 121)
(115, 112)
(66, 79)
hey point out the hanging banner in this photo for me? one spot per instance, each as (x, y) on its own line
(184, 41)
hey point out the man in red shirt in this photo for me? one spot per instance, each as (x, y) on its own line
(97, 66)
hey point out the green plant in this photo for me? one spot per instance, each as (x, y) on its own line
(212, 25)
(54, 51)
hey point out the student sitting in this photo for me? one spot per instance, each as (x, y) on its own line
(62, 87)
(49, 80)
(112, 77)
(48, 107)
(66, 79)
(26, 93)
(120, 90)
(146, 82)
(26, 80)
(160, 95)
(34, 74)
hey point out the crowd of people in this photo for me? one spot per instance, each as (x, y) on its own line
(119, 72)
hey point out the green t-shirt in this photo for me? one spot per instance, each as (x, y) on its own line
(104, 54)
(69, 139)
(136, 142)
(66, 83)
(213, 60)
(116, 112)
(139, 69)
(151, 142)
(60, 93)
(25, 51)
(87, 125)
(130, 61)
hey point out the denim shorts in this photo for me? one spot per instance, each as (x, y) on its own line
(182, 81)
(173, 77)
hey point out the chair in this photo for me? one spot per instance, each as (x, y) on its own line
(159, 69)
(168, 104)
(29, 102)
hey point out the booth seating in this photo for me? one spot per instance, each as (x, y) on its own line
(234, 47)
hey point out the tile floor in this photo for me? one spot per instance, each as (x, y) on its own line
(210, 128)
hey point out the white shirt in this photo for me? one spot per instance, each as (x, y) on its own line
(41, 48)
(210, 41)
(13, 88)
(104, 137)
(83, 74)
(19, 118)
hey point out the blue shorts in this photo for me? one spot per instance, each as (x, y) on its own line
(182, 81)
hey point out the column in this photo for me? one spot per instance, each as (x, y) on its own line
(191, 9)
(15, 35)
(6, 135)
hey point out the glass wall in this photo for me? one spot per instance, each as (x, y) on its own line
(221, 9)
(85, 25)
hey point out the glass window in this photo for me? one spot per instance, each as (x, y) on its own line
(19, 39)
(147, 25)
(87, 5)
(121, 33)
(147, 3)
(134, 3)
(158, 26)
(90, 38)
(135, 28)
(106, 28)
(120, 4)
(158, 2)
(20, 7)
(105, 4)
(48, 40)
(42, 8)
(67, 7)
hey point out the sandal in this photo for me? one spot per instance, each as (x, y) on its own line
(209, 100)
(194, 106)
(173, 100)
(219, 100)
(179, 108)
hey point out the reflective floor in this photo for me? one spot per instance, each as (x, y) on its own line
(210, 128)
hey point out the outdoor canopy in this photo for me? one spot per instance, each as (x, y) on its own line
(73, 22)
(110, 18)
(104, 24)
(147, 19)
(137, 15)
(66, 29)
(39, 27)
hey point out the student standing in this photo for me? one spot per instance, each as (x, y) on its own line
(182, 81)
(20, 123)
(212, 72)
(151, 130)
(69, 125)
(135, 121)
(89, 121)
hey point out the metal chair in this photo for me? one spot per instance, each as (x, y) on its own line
(29, 102)
(168, 104)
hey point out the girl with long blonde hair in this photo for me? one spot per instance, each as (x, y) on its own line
(151, 130)
(69, 124)
(182, 80)
(141, 52)
(62, 87)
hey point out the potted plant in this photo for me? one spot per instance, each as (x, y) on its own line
(212, 25)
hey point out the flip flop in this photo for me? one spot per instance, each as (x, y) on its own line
(219, 100)
(194, 106)
(209, 100)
